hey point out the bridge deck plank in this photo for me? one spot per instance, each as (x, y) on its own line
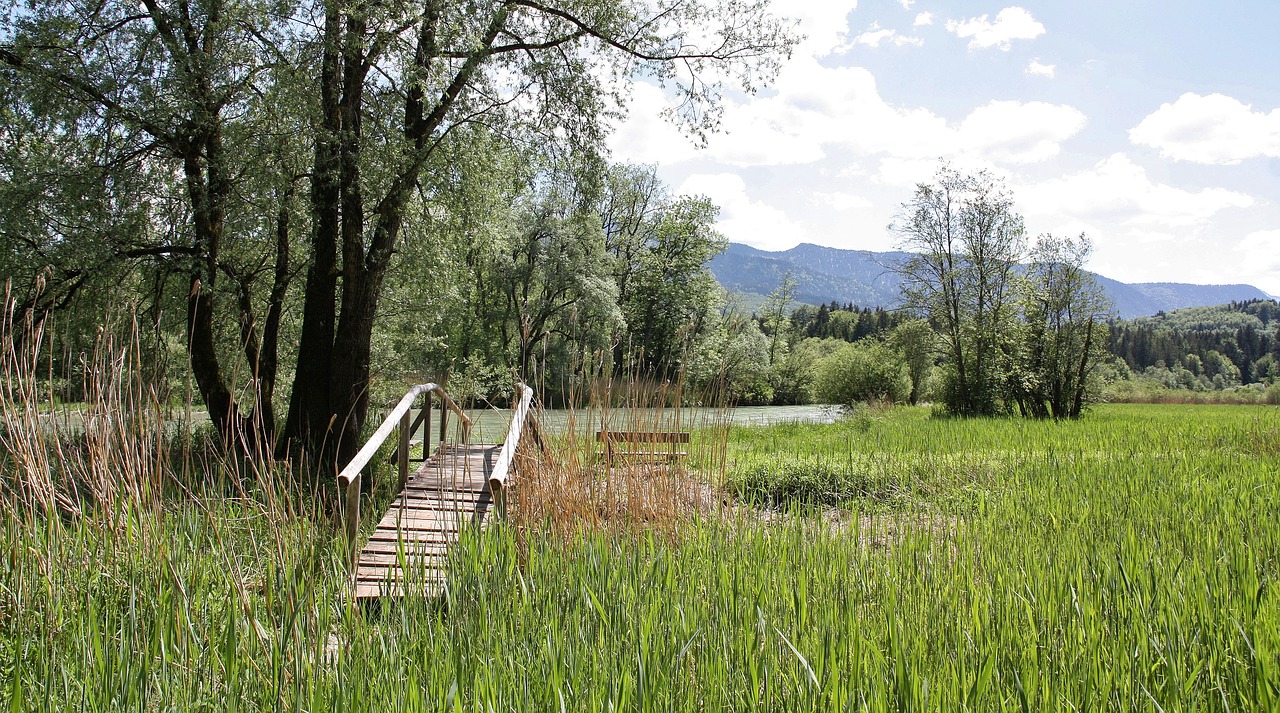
(448, 492)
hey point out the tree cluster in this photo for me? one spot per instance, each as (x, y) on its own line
(1019, 328)
(256, 172)
(847, 322)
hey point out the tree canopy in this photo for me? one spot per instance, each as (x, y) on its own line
(216, 151)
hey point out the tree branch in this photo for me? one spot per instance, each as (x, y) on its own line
(11, 58)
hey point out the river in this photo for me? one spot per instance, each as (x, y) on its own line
(490, 425)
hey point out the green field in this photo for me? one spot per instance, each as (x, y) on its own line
(892, 561)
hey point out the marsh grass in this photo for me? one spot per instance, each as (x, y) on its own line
(570, 487)
(1125, 562)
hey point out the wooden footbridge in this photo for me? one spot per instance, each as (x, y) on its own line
(456, 486)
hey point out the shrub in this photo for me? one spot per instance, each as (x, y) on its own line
(862, 372)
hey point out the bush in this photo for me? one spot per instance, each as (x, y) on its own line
(862, 372)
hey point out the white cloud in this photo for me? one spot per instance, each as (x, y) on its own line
(645, 137)
(824, 23)
(1017, 132)
(743, 220)
(1118, 191)
(1036, 69)
(1213, 129)
(906, 4)
(1145, 230)
(1261, 251)
(843, 201)
(874, 35)
(924, 18)
(817, 109)
(1011, 23)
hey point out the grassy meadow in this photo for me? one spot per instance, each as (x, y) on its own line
(890, 561)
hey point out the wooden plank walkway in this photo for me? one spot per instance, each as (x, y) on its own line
(447, 492)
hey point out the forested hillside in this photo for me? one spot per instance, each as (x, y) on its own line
(1203, 347)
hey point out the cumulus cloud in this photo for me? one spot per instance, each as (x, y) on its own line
(1011, 23)
(1261, 250)
(1036, 69)
(742, 219)
(924, 18)
(1018, 132)
(824, 23)
(1118, 191)
(1213, 129)
(874, 35)
(817, 109)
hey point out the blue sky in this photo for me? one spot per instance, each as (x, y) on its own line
(1154, 127)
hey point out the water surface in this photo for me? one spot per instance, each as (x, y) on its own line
(490, 425)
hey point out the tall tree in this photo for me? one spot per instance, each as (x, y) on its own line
(1065, 313)
(673, 289)
(165, 90)
(659, 245)
(777, 310)
(527, 64)
(966, 241)
(555, 277)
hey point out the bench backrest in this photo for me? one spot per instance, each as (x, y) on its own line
(642, 436)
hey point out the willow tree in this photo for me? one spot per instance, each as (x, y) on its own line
(213, 97)
(396, 79)
(659, 246)
(1065, 314)
(172, 108)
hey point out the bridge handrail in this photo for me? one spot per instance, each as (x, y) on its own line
(502, 466)
(349, 477)
(390, 423)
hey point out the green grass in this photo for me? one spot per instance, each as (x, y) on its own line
(1126, 562)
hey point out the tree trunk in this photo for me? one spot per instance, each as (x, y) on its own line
(1077, 404)
(308, 421)
(207, 190)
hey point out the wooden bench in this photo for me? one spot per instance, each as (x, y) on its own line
(613, 439)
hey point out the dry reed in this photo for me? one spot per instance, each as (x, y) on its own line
(571, 486)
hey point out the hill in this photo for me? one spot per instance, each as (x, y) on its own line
(867, 278)
(1203, 347)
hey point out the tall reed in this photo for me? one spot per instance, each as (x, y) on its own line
(572, 486)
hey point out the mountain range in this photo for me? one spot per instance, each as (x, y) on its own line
(867, 279)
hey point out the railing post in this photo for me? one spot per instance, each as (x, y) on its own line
(352, 517)
(403, 460)
(427, 446)
(499, 501)
(444, 419)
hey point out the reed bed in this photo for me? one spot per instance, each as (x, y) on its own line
(571, 486)
(892, 561)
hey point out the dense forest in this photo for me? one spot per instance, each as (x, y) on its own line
(1202, 348)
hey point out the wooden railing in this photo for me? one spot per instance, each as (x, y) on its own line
(504, 465)
(399, 417)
